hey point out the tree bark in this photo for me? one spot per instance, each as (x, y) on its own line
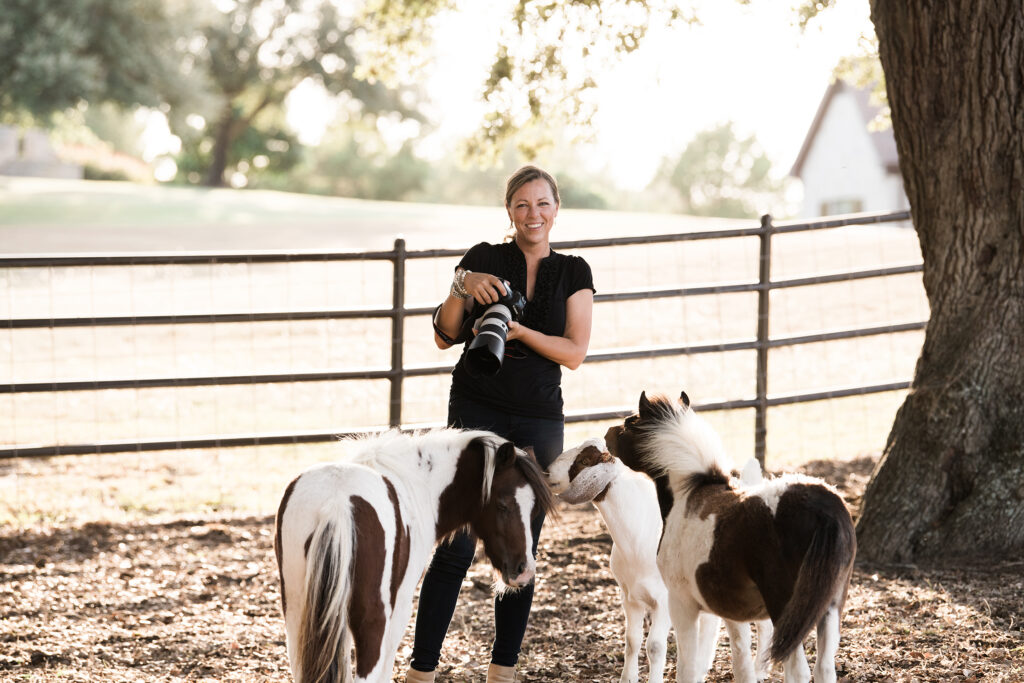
(225, 137)
(950, 484)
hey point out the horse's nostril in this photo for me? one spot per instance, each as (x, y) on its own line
(520, 569)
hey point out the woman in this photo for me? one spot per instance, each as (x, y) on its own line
(522, 402)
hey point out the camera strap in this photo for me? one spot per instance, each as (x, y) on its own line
(465, 334)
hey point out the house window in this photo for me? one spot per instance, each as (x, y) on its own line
(834, 207)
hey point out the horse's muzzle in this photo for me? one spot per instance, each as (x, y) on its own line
(521, 578)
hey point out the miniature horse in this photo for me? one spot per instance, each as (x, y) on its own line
(354, 537)
(782, 549)
(627, 503)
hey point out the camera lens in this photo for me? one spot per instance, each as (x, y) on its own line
(486, 351)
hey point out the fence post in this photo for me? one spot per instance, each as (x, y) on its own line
(763, 297)
(397, 335)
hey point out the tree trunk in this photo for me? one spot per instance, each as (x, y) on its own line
(225, 136)
(950, 484)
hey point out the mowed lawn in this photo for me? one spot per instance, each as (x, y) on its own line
(61, 217)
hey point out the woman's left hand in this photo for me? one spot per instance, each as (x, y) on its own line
(515, 330)
(569, 349)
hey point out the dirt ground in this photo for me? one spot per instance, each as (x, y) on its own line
(197, 600)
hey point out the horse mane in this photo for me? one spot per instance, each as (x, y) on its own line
(397, 451)
(675, 440)
(538, 482)
(394, 450)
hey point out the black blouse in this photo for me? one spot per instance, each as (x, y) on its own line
(527, 383)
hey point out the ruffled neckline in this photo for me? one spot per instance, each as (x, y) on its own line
(535, 314)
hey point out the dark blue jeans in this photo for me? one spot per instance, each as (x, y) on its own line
(441, 584)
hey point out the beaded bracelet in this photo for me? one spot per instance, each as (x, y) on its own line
(459, 284)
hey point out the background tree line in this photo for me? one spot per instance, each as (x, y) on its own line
(222, 71)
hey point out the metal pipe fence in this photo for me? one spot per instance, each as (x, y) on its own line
(398, 371)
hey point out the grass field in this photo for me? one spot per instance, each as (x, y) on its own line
(115, 487)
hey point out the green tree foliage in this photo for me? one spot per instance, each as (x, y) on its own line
(106, 140)
(269, 148)
(256, 52)
(55, 55)
(579, 195)
(719, 174)
(546, 63)
(116, 126)
(353, 160)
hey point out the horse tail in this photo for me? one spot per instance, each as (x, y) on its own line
(324, 642)
(820, 583)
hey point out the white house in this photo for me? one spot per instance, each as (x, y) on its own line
(846, 167)
(29, 153)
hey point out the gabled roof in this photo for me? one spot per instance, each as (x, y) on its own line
(883, 140)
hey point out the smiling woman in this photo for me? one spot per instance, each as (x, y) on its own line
(518, 396)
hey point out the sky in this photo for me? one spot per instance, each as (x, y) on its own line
(749, 64)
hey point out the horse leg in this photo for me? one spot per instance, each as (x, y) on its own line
(657, 639)
(762, 664)
(393, 639)
(685, 612)
(399, 620)
(634, 610)
(707, 639)
(292, 624)
(795, 669)
(827, 646)
(739, 644)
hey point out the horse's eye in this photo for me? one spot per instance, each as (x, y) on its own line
(504, 507)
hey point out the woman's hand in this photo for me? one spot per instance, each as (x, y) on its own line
(484, 287)
(570, 349)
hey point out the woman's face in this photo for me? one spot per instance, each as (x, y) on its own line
(533, 210)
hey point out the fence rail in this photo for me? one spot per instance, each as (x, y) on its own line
(397, 313)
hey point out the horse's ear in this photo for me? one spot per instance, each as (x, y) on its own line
(645, 405)
(530, 452)
(505, 456)
(684, 399)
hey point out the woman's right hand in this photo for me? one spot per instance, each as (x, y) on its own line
(484, 287)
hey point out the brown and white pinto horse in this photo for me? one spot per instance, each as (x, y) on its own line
(353, 538)
(782, 549)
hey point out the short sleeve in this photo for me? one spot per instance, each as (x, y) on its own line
(474, 259)
(580, 275)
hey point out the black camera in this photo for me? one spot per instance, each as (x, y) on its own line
(487, 350)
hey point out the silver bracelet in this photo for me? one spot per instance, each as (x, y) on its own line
(459, 284)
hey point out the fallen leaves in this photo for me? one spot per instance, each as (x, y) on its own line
(197, 600)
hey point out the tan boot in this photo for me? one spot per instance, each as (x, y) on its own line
(414, 676)
(501, 674)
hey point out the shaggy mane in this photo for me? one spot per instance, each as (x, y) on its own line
(677, 441)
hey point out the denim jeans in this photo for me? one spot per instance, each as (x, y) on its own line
(440, 590)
